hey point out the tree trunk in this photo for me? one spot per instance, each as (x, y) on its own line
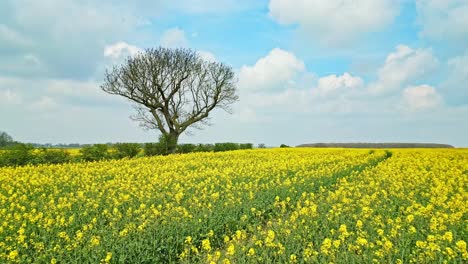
(171, 140)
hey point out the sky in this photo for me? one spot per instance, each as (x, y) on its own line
(307, 70)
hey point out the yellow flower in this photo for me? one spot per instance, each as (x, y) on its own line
(326, 246)
(359, 224)
(251, 252)
(95, 241)
(361, 241)
(231, 250)
(387, 245)
(206, 244)
(293, 258)
(107, 258)
(461, 245)
(448, 236)
(336, 243)
(13, 255)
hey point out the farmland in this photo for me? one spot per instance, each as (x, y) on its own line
(247, 206)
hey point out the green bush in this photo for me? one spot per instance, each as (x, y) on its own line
(127, 150)
(204, 148)
(186, 148)
(284, 146)
(51, 156)
(153, 149)
(225, 146)
(17, 155)
(95, 152)
(246, 146)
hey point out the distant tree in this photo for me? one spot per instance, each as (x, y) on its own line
(5, 139)
(172, 89)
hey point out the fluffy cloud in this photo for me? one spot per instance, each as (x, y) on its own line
(333, 85)
(270, 72)
(212, 6)
(403, 66)
(335, 21)
(279, 91)
(444, 20)
(66, 36)
(421, 97)
(120, 50)
(208, 56)
(174, 38)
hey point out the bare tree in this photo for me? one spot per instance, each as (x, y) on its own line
(172, 89)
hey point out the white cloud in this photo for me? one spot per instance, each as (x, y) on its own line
(333, 85)
(271, 72)
(421, 97)
(208, 56)
(174, 38)
(120, 50)
(213, 6)
(68, 36)
(444, 20)
(403, 66)
(335, 21)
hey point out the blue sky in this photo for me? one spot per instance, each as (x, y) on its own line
(308, 70)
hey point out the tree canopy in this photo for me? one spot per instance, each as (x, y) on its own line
(172, 89)
(5, 139)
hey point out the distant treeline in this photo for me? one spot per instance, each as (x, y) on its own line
(19, 154)
(375, 145)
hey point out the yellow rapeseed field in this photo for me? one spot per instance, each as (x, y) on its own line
(250, 206)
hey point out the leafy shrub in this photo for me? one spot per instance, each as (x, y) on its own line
(225, 146)
(246, 146)
(95, 152)
(186, 148)
(153, 149)
(17, 155)
(126, 150)
(204, 148)
(51, 156)
(261, 145)
(284, 146)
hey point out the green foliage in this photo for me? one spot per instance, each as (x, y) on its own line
(284, 146)
(153, 149)
(261, 145)
(95, 152)
(225, 146)
(168, 144)
(17, 155)
(246, 146)
(51, 156)
(186, 148)
(127, 150)
(5, 140)
(204, 148)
